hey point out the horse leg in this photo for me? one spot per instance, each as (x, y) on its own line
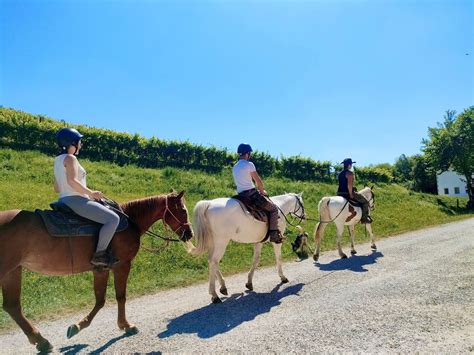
(223, 288)
(372, 238)
(100, 288)
(352, 234)
(120, 280)
(277, 250)
(340, 231)
(257, 249)
(318, 234)
(11, 290)
(215, 255)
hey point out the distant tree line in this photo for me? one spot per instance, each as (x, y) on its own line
(20, 130)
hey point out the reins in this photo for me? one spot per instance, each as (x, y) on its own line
(111, 203)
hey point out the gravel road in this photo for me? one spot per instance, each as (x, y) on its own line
(415, 293)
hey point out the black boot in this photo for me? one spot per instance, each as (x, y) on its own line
(104, 258)
(275, 236)
(366, 219)
(100, 258)
(112, 259)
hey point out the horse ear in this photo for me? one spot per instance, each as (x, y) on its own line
(180, 195)
(372, 187)
(172, 190)
(300, 194)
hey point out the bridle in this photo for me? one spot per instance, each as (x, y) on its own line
(372, 199)
(112, 203)
(298, 207)
(182, 225)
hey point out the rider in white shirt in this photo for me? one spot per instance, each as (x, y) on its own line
(245, 174)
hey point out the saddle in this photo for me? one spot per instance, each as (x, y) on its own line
(251, 209)
(61, 221)
(354, 202)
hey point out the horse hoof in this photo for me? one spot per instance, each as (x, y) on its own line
(284, 280)
(223, 290)
(374, 247)
(353, 252)
(343, 256)
(316, 257)
(249, 286)
(132, 330)
(72, 330)
(216, 300)
(44, 346)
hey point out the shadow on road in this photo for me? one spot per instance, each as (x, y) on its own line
(354, 263)
(77, 348)
(73, 349)
(215, 319)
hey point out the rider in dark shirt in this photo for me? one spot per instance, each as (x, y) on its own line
(346, 189)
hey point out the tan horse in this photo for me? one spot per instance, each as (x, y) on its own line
(337, 209)
(24, 242)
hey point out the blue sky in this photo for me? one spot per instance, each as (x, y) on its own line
(324, 79)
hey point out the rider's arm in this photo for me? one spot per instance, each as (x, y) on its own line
(258, 182)
(350, 183)
(71, 164)
(56, 186)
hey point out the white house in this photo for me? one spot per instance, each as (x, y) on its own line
(451, 183)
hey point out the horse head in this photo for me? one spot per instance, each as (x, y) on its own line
(368, 193)
(291, 203)
(176, 216)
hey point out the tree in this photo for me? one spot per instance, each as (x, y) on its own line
(423, 175)
(451, 146)
(403, 169)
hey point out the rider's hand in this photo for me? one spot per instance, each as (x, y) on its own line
(264, 193)
(351, 196)
(96, 195)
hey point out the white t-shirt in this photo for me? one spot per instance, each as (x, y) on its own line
(242, 177)
(60, 174)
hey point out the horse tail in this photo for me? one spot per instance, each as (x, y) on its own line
(324, 217)
(202, 230)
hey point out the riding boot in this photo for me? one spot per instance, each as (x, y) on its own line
(275, 236)
(100, 258)
(112, 259)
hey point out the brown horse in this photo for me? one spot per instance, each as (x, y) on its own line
(24, 242)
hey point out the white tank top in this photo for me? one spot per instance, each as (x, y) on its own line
(61, 178)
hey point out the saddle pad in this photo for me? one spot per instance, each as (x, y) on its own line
(61, 224)
(249, 207)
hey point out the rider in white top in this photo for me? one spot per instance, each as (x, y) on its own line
(245, 174)
(242, 171)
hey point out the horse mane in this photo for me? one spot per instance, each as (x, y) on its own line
(141, 211)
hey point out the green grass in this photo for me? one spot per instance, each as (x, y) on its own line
(26, 182)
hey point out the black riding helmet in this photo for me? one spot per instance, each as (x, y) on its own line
(244, 148)
(68, 136)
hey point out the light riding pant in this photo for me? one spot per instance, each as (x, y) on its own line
(96, 212)
(265, 204)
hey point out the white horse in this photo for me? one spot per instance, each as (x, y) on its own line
(217, 222)
(337, 209)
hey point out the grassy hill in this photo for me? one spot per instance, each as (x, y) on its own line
(26, 182)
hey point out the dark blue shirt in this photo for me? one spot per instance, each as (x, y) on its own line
(343, 182)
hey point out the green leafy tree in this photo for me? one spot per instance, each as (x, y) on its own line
(403, 169)
(423, 175)
(451, 146)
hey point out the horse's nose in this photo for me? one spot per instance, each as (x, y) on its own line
(188, 234)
